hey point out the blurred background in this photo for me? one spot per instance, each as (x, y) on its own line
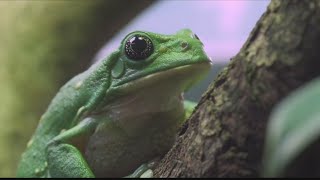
(45, 43)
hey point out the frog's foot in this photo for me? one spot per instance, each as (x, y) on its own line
(144, 171)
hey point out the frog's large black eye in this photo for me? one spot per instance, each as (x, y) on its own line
(138, 47)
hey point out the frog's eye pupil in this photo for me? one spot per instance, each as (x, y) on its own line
(138, 47)
(138, 44)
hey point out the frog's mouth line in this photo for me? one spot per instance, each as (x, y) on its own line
(196, 71)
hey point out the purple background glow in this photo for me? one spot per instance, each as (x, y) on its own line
(223, 26)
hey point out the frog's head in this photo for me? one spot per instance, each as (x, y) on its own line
(149, 59)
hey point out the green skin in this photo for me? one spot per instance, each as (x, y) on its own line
(118, 114)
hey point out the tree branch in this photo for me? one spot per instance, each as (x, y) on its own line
(225, 135)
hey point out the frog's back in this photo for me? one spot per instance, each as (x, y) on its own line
(33, 162)
(58, 117)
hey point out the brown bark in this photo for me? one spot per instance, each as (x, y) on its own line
(225, 135)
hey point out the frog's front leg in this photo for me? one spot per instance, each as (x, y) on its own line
(64, 159)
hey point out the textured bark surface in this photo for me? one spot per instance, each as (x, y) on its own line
(225, 135)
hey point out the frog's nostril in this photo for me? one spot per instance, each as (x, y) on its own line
(195, 35)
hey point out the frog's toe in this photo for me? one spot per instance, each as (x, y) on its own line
(147, 174)
(138, 172)
(144, 171)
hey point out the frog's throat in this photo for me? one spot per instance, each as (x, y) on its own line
(185, 76)
(160, 91)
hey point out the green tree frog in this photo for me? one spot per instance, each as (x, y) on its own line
(122, 112)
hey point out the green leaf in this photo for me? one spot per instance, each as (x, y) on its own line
(294, 125)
